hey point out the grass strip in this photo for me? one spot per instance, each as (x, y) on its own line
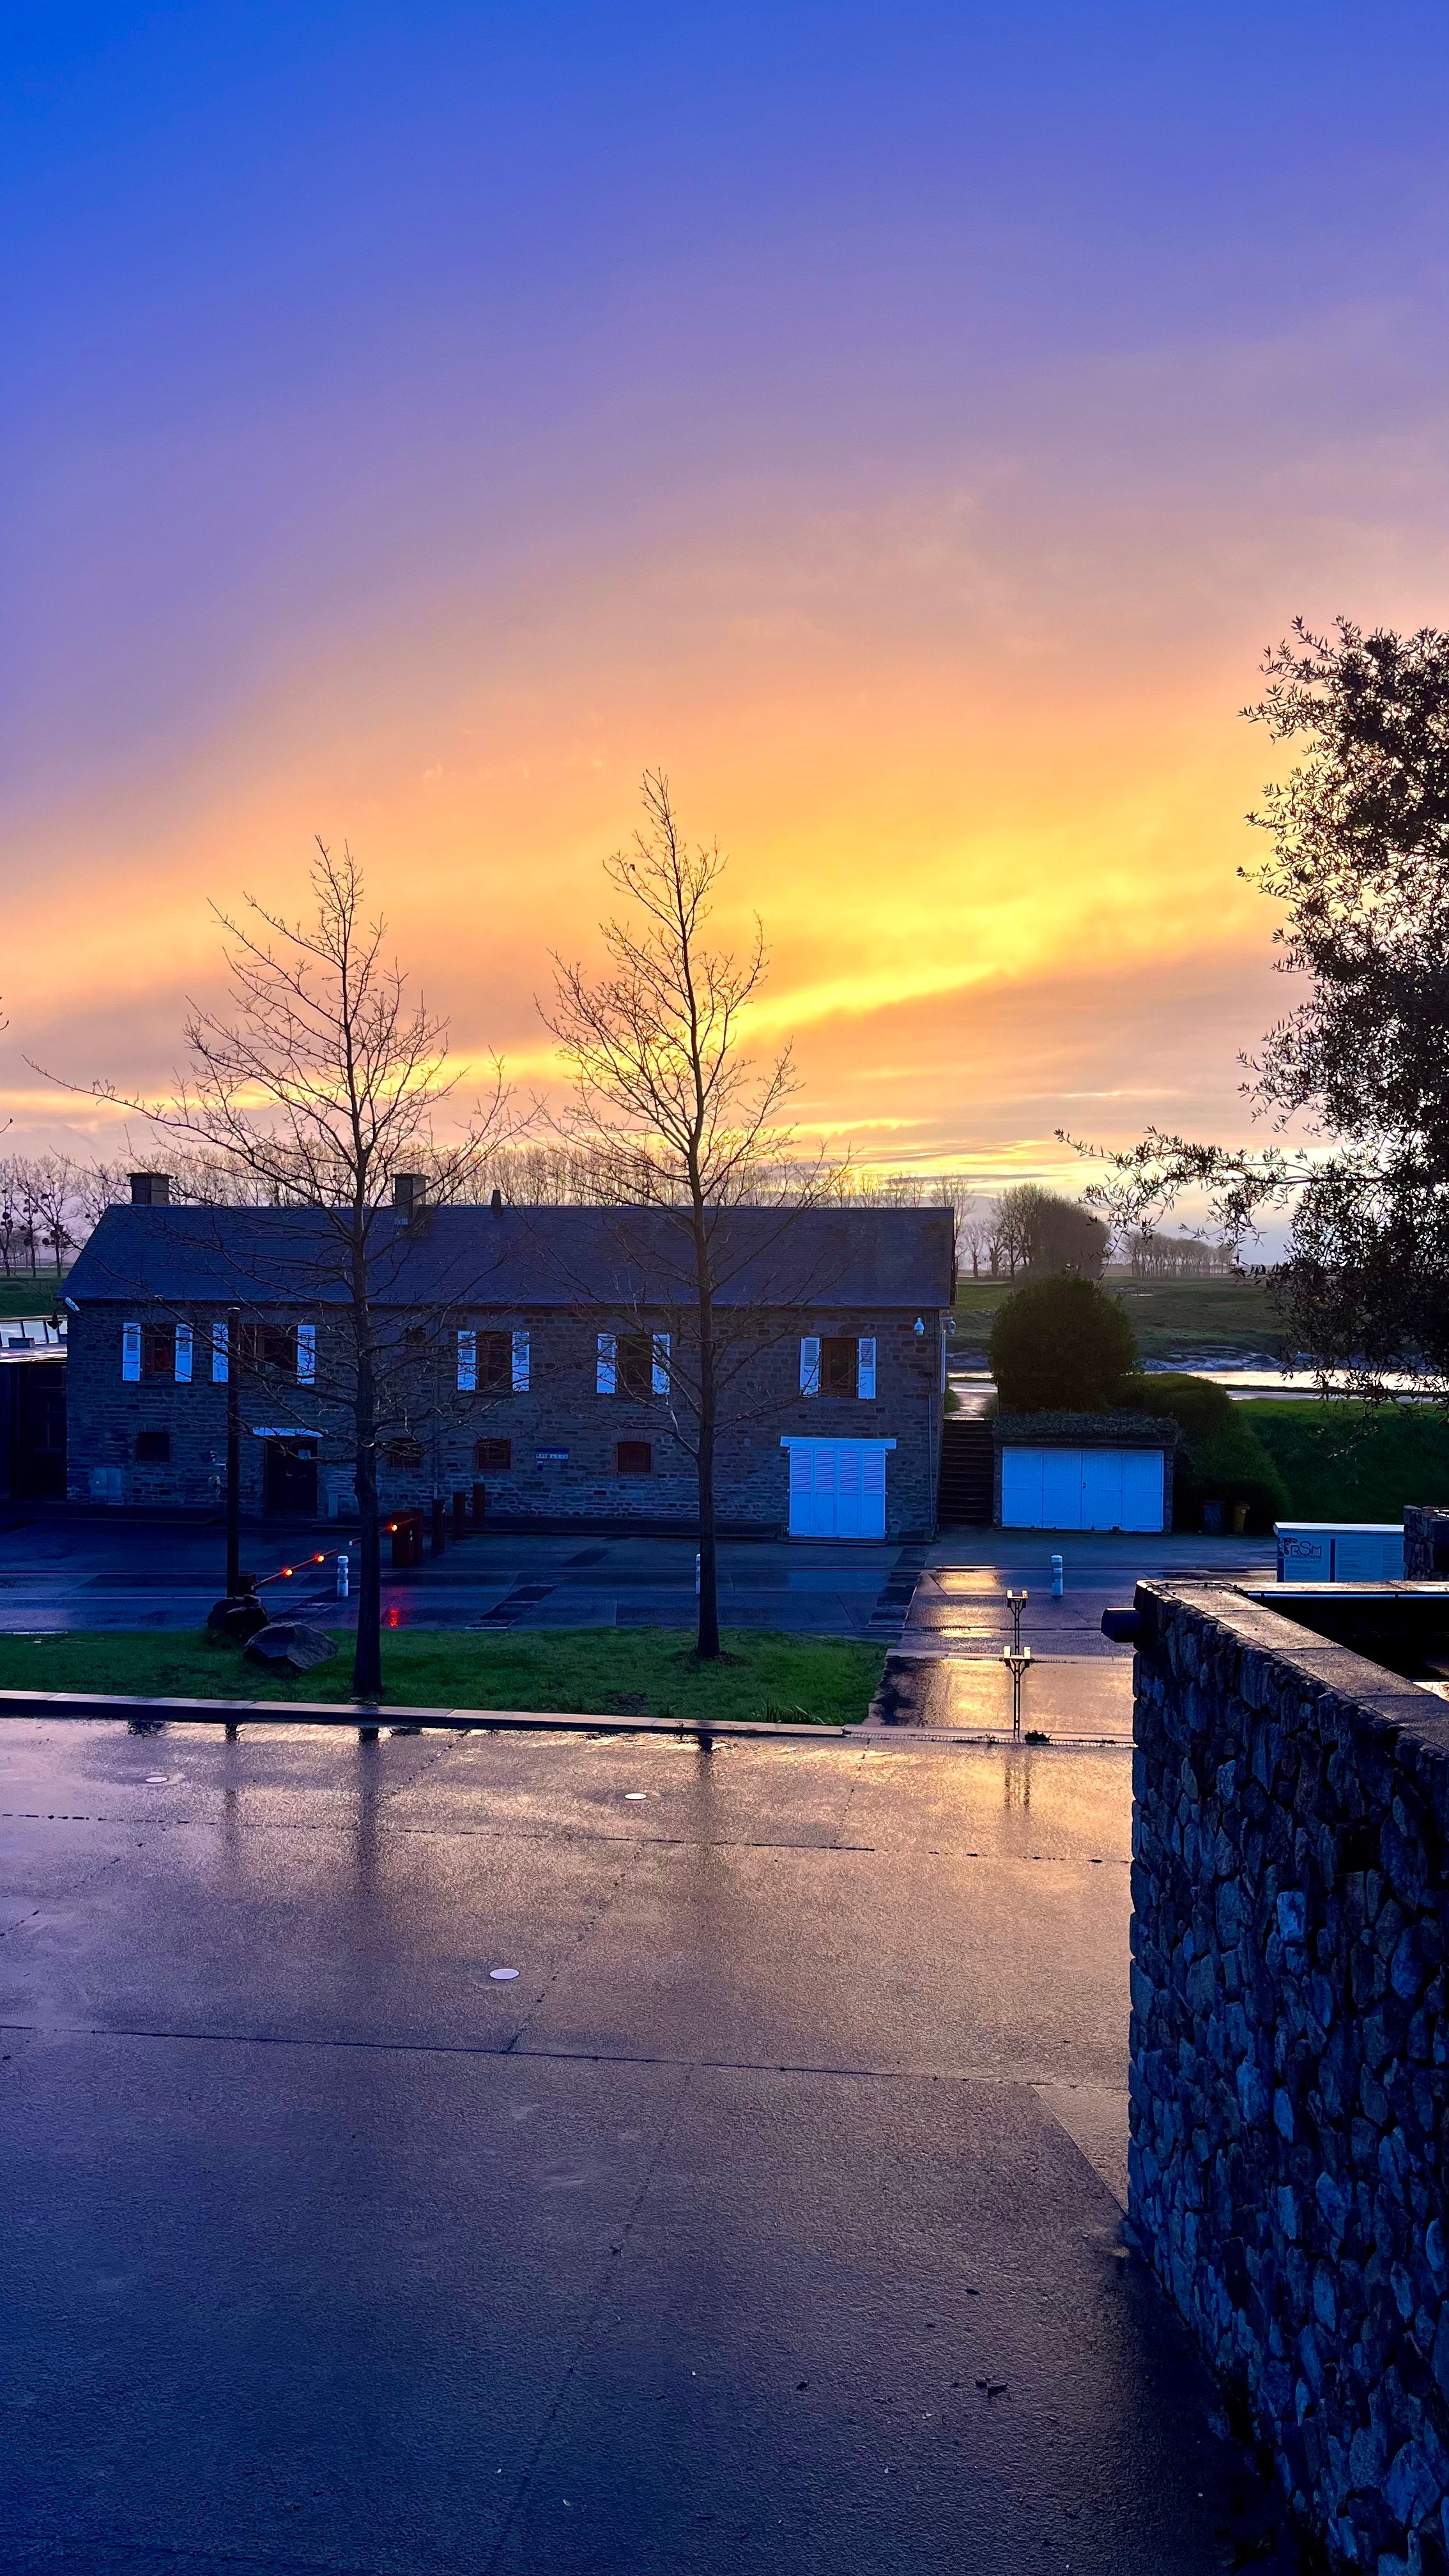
(608, 1672)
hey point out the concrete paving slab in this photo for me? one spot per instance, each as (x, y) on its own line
(327, 2252)
(1090, 1696)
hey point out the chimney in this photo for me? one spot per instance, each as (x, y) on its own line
(150, 1189)
(407, 1194)
(496, 1203)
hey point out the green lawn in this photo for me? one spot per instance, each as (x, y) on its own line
(608, 1672)
(1169, 1316)
(1350, 1462)
(22, 1295)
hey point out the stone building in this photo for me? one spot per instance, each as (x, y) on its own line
(547, 1354)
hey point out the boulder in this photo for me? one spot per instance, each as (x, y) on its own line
(289, 1646)
(238, 1617)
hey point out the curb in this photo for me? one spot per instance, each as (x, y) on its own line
(467, 1721)
(262, 1712)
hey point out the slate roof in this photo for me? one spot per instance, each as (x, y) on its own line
(518, 1258)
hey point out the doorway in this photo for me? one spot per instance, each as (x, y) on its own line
(289, 1476)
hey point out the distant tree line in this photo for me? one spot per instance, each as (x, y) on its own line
(50, 1202)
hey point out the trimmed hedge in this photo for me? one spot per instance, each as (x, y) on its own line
(1222, 1459)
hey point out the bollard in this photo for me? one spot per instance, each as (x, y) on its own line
(1058, 1582)
(696, 1575)
(344, 1573)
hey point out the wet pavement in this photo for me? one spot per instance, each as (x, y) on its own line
(62, 1573)
(767, 2218)
(947, 1671)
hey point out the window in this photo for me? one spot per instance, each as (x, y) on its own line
(158, 1350)
(634, 1458)
(404, 1453)
(269, 1349)
(153, 1448)
(634, 1360)
(488, 1363)
(493, 1457)
(839, 1362)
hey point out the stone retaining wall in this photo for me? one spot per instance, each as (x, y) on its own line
(1290, 2052)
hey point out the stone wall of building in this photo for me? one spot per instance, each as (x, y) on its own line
(560, 1411)
(1290, 2052)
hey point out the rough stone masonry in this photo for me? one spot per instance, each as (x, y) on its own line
(1290, 2052)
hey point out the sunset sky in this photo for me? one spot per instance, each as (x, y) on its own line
(905, 426)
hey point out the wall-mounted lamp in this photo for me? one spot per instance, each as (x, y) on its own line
(919, 1325)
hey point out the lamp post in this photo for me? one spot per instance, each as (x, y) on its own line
(1016, 1659)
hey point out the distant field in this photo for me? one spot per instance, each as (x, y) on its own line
(1168, 1316)
(23, 1295)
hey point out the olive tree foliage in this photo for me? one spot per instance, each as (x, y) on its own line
(667, 1100)
(314, 1090)
(1359, 860)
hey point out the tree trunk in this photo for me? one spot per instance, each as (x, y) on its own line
(707, 1641)
(367, 1661)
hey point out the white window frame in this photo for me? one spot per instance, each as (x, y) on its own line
(131, 1353)
(182, 1362)
(606, 1366)
(810, 1364)
(865, 1365)
(520, 1362)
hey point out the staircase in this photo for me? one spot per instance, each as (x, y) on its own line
(968, 1472)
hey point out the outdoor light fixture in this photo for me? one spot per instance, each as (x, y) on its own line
(920, 1324)
(1016, 1659)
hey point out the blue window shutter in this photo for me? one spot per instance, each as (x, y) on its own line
(606, 1374)
(810, 1364)
(130, 1350)
(520, 1363)
(183, 1354)
(467, 1363)
(220, 1350)
(307, 1353)
(865, 1365)
(660, 1378)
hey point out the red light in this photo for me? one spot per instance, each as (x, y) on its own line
(286, 1569)
(319, 1560)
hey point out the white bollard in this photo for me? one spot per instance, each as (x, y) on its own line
(696, 1576)
(1058, 1584)
(344, 1573)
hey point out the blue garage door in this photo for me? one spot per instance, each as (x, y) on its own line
(1082, 1489)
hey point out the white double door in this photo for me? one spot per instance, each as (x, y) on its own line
(838, 1488)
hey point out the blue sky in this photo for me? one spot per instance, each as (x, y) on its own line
(907, 425)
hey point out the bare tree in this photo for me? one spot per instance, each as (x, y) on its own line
(319, 1088)
(669, 1105)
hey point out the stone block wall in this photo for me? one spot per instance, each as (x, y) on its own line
(1290, 2052)
(1426, 1542)
(560, 1411)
